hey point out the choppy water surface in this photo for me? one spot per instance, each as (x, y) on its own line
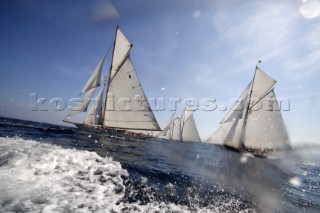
(57, 169)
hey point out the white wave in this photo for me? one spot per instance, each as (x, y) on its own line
(41, 177)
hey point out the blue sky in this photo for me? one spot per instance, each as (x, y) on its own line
(182, 48)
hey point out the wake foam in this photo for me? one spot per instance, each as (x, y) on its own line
(41, 177)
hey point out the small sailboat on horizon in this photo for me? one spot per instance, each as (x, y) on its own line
(123, 84)
(254, 124)
(181, 128)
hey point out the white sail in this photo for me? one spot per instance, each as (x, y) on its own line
(127, 106)
(121, 50)
(94, 116)
(234, 136)
(236, 112)
(165, 133)
(220, 135)
(260, 85)
(168, 135)
(265, 128)
(176, 128)
(83, 105)
(95, 78)
(229, 131)
(189, 129)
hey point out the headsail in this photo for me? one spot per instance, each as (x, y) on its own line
(165, 133)
(83, 105)
(94, 80)
(233, 138)
(127, 106)
(94, 116)
(236, 112)
(189, 129)
(220, 135)
(230, 127)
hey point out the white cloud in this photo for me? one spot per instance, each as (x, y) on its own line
(314, 36)
(257, 32)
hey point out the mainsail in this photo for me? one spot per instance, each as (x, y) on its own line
(255, 122)
(129, 107)
(176, 128)
(265, 127)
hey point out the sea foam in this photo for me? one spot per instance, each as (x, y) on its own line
(42, 177)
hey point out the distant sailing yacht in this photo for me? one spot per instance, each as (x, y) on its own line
(254, 124)
(123, 85)
(181, 129)
(173, 130)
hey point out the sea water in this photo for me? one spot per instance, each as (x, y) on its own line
(51, 168)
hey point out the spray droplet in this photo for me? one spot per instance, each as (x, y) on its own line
(295, 181)
(243, 159)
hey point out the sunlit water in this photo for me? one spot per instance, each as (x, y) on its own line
(57, 169)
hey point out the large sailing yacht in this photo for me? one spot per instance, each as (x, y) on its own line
(123, 88)
(254, 124)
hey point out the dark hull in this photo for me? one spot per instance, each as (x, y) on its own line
(99, 130)
(89, 129)
(255, 152)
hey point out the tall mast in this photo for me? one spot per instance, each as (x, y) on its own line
(105, 102)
